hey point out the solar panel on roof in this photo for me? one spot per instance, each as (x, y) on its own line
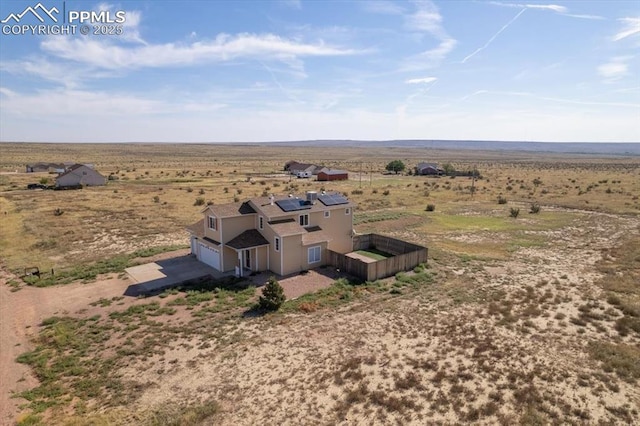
(291, 205)
(332, 199)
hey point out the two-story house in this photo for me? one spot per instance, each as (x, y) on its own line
(284, 234)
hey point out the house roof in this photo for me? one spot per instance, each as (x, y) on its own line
(265, 208)
(231, 209)
(197, 230)
(314, 235)
(334, 172)
(301, 166)
(285, 228)
(425, 165)
(70, 170)
(75, 167)
(249, 238)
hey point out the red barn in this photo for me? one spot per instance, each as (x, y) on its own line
(333, 175)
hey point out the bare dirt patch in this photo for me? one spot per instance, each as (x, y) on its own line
(298, 284)
(22, 312)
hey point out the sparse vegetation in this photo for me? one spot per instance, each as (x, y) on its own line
(489, 333)
(534, 208)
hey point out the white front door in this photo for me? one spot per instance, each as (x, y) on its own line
(210, 256)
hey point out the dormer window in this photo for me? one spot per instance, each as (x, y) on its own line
(213, 222)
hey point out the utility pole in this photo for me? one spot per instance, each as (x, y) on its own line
(473, 181)
(361, 174)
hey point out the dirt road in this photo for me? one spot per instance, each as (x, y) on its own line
(21, 312)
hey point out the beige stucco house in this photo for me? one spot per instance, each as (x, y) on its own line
(80, 175)
(283, 235)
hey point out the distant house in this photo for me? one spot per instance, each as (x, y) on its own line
(326, 175)
(48, 167)
(281, 234)
(294, 168)
(80, 175)
(429, 169)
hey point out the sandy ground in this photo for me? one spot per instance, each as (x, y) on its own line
(22, 311)
(434, 357)
(368, 363)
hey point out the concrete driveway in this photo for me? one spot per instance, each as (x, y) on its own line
(156, 276)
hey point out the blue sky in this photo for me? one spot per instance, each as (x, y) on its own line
(201, 71)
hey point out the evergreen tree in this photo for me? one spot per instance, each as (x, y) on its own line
(272, 296)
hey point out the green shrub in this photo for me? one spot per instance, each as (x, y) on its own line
(514, 212)
(199, 202)
(272, 296)
(430, 207)
(535, 208)
(502, 200)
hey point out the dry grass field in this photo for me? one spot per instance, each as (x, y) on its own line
(533, 319)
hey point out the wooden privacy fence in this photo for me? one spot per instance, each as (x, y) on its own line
(405, 256)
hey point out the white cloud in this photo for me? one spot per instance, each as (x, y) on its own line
(615, 69)
(631, 28)
(382, 7)
(225, 47)
(504, 27)
(292, 4)
(82, 103)
(427, 19)
(621, 105)
(424, 80)
(552, 7)
(130, 27)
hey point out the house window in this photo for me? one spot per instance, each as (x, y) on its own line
(213, 222)
(327, 214)
(347, 211)
(276, 243)
(261, 222)
(304, 220)
(314, 254)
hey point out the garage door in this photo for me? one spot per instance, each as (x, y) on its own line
(210, 256)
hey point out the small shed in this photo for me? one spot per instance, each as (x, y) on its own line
(326, 175)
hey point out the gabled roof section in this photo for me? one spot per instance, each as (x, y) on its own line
(74, 168)
(314, 235)
(197, 228)
(249, 238)
(287, 228)
(263, 206)
(334, 172)
(231, 209)
(424, 165)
